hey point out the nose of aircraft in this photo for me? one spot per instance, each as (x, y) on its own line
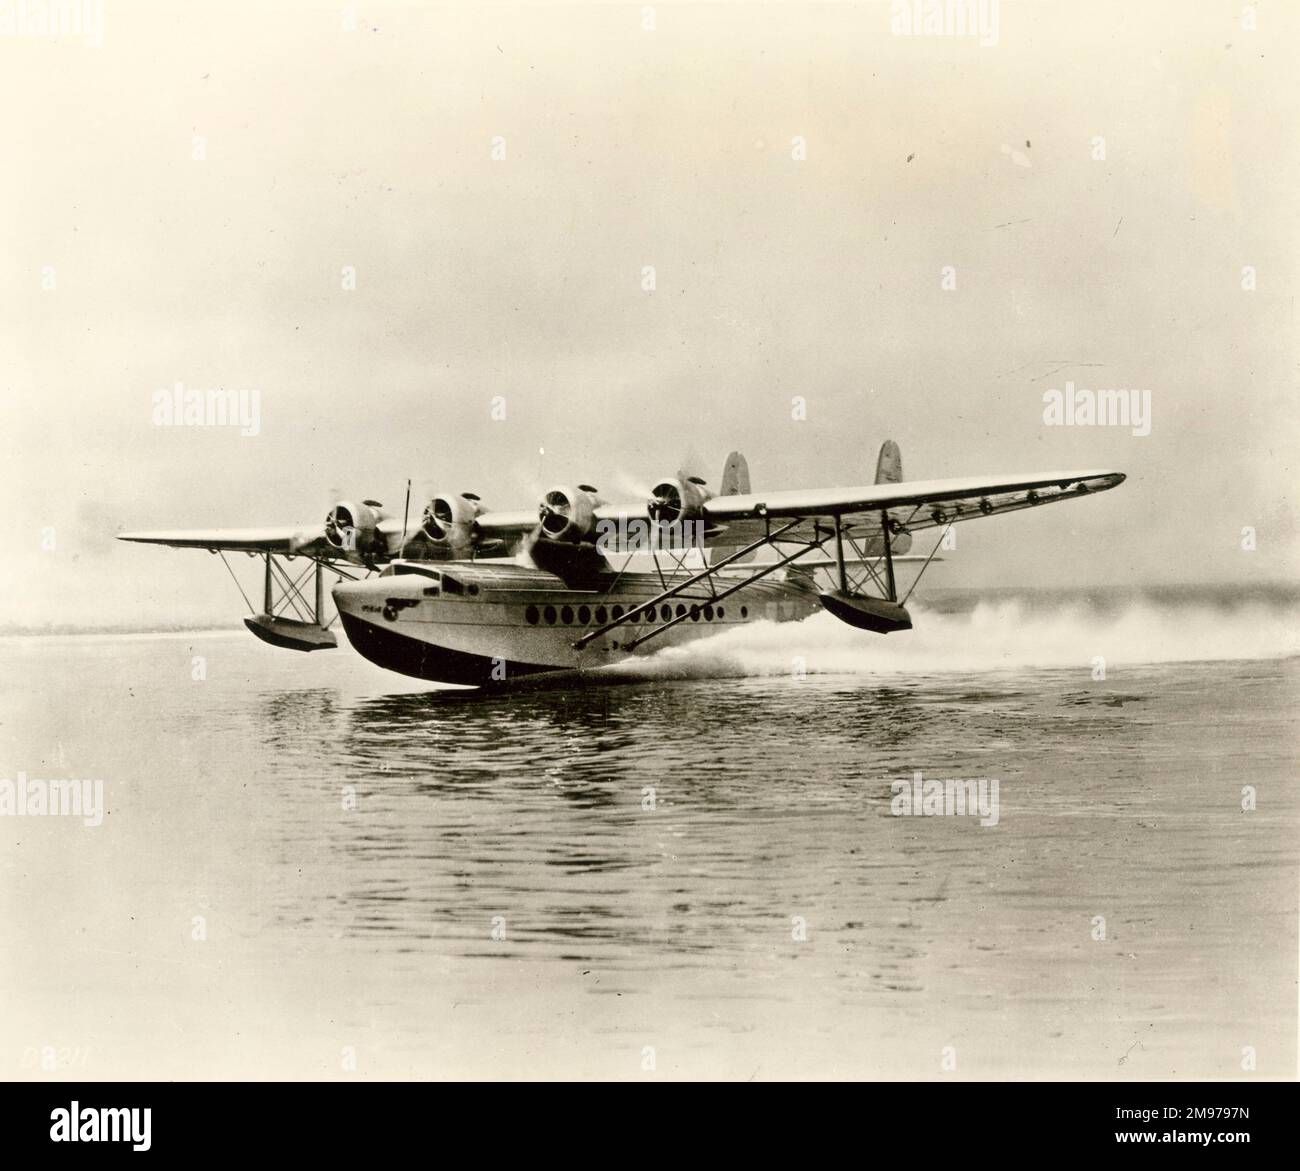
(375, 614)
(377, 598)
(347, 595)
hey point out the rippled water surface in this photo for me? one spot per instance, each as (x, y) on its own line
(446, 884)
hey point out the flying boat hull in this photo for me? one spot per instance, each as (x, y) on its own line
(482, 624)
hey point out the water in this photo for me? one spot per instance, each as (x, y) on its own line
(392, 882)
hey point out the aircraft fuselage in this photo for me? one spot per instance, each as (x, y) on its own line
(481, 623)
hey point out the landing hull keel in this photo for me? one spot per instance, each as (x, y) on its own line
(423, 660)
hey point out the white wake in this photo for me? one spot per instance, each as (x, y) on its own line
(997, 635)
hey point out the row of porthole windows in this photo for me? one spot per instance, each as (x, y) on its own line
(566, 615)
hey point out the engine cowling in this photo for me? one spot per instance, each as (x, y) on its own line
(353, 529)
(568, 515)
(676, 510)
(448, 522)
(678, 498)
(564, 542)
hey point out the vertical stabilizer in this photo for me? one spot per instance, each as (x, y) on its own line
(889, 464)
(735, 482)
(735, 476)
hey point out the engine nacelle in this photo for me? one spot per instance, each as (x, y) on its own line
(568, 515)
(353, 529)
(677, 499)
(448, 522)
(578, 564)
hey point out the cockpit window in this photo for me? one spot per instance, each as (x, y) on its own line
(451, 586)
(407, 567)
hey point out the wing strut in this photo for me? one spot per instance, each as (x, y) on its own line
(889, 556)
(839, 555)
(307, 630)
(926, 565)
(889, 588)
(707, 571)
(881, 614)
(654, 632)
(240, 588)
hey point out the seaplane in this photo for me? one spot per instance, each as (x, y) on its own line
(482, 598)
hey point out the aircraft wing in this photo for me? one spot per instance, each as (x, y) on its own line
(910, 505)
(504, 525)
(307, 540)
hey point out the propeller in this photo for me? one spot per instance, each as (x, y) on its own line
(692, 467)
(665, 502)
(556, 509)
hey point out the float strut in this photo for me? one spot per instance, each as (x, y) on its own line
(889, 556)
(839, 555)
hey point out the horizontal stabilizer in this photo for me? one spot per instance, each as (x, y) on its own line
(826, 561)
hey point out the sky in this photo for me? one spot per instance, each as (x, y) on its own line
(855, 234)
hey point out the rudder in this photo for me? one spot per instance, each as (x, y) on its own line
(889, 464)
(735, 476)
(735, 482)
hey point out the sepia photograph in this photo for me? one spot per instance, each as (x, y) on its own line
(492, 595)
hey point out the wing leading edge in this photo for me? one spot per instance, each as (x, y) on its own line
(910, 505)
(303, 539)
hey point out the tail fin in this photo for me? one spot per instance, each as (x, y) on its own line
(735, 482)
(889, 470)
(735, 476)
(889, 464)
